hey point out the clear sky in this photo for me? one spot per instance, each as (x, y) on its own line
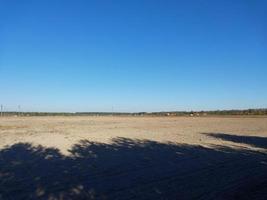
(141, 55)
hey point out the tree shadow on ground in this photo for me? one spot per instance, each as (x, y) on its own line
(255, 141)
(132, 169)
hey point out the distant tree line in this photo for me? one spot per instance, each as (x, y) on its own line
(215, 112)
(172, 113)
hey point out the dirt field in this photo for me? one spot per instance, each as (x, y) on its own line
(133, 158)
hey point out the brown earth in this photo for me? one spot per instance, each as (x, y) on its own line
(133, 158)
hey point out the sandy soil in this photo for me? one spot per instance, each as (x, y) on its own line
(63, 132)
(133, 158)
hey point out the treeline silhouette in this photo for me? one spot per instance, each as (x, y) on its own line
(247, 112)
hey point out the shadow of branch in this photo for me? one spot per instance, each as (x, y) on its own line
(255, 141)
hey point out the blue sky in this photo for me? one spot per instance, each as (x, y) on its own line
(133, 56)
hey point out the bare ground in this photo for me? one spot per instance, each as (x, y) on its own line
(133, 158)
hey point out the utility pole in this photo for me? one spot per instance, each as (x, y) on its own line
(18, 110)
(1, 110)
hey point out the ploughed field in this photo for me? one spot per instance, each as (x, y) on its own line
(133, 158)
